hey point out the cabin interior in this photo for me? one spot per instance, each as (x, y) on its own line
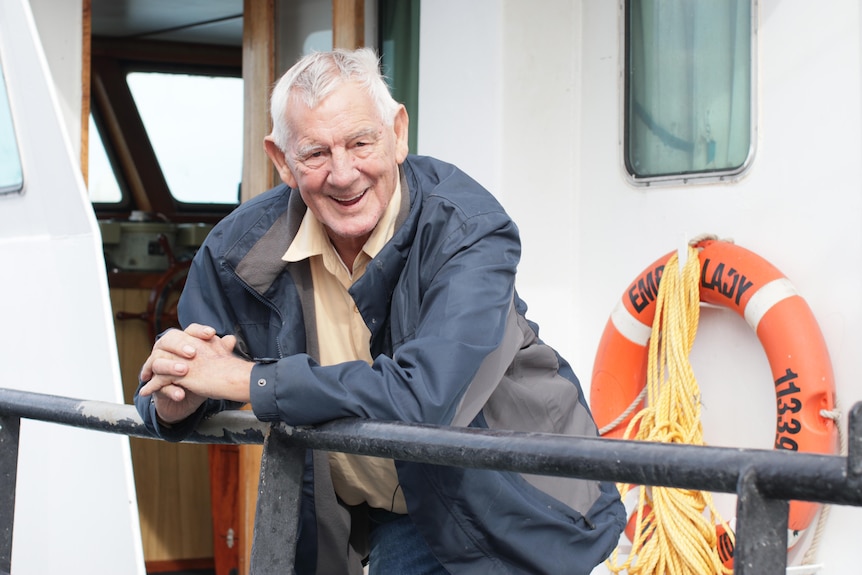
(177, 95)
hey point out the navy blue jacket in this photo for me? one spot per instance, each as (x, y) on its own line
(451, 346)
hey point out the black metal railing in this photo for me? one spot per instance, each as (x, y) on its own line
(763, 480)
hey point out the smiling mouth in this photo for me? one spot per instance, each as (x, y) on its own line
(350, 201)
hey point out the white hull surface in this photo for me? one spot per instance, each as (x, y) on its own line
(75, 507)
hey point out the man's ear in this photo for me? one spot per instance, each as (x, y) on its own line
(279, 161)
(401, 125)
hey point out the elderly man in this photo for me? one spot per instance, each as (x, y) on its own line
(381, 285)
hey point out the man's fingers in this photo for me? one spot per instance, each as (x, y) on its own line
(162, 387)
(173, 392)
(152, 386)
(179, 345)
(164, 364)
(228, 342)
(200, 331)
(147, 370)
(173, 403)
(176, 342)
(161, 372)
(186, 342)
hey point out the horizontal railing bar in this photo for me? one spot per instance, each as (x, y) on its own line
(820, 478)
(229, 427)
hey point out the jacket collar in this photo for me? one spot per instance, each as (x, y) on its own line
(261, 264)
(256, 256)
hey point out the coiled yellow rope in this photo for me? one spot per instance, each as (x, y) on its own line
(675, 528)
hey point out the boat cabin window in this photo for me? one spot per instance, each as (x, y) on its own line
(166, 139)
(688, 90)
(11, 176)
(194, 123)
(101, 181)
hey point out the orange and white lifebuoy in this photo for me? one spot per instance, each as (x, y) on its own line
(738, 279)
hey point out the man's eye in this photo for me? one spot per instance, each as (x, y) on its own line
(314, 159)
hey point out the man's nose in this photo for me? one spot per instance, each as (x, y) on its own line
(341, 169)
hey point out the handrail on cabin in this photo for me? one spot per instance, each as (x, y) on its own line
(764, 480)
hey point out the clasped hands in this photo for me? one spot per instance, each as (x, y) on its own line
(188, 366)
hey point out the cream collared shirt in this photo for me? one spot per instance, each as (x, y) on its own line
(343, 336)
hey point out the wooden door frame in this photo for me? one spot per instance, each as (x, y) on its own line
(259, 50)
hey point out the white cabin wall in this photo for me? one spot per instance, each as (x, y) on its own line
(460, 89)
(75, 505)
(499, 98)
(541, 102)
(60, 26)
(532, 109)
(544, 135)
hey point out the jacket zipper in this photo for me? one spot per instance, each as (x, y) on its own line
(268, 303)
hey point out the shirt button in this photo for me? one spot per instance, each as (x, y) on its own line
(261, 382)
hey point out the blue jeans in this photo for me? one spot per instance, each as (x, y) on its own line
(397, 548)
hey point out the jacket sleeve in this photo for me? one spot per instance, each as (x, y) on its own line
(448, 315)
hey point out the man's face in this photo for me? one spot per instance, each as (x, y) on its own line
(344, 161)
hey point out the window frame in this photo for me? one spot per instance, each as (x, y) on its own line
(182, 204)
(15, 187)
(126, 140)
(684, 178)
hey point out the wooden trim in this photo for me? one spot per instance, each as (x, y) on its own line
(152, 51)
(258, 175)
(86, 34)
(258, 73)
(126, 139)
(249, 472)
(224, 494)
(171, 565)
(125, 131)
(133, 280)
(348, 24)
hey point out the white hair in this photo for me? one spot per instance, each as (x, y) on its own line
(317, 75)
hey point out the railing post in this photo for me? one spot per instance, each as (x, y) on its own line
(10, 427)
(761, 530)
(854, 444)
(276, 520)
